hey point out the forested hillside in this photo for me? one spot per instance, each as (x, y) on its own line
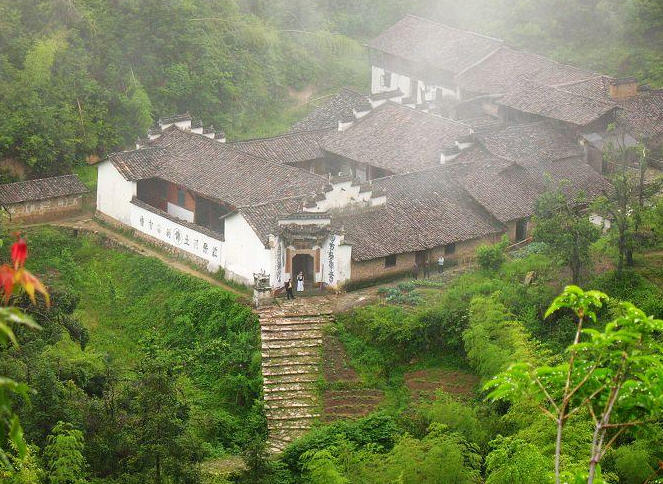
(81, 78)
(148, 371)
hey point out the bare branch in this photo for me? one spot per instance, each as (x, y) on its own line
(545, 392)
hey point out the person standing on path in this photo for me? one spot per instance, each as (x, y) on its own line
(288, 290)
(426, 268)
(300, 282)
(440, 264)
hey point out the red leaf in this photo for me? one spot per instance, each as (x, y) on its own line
(19, 252)
(7, 275)
(30, 283)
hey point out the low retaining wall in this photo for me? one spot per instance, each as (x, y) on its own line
(45, 210)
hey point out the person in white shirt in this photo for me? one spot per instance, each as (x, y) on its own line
(440, 264)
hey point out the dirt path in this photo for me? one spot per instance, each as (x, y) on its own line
(92, 226)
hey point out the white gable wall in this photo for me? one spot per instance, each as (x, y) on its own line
(244, 253)
(114, 193)
(398, 81)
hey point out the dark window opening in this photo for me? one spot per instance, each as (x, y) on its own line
(521, 230)
(181, 197)
(386, 79)
(449, 249)
(390, 261)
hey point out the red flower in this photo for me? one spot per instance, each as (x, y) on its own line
(19, 252)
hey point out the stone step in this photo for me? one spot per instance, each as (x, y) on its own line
(290, 424)
(295, 378)
(288, 360)
(291, 396)
(286, 435)
(290, 352)
(291, 403)
(291, 413)
(270, 388)
(289, 370)
(294, 321)
(290, 316)
(296, 335)
(284, 343)
(271, 328)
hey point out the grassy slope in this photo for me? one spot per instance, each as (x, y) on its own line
(127, 299)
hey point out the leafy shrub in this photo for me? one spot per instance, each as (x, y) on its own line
(457, 416)
(492, 339)
(491, 257)
(632, 462)
(631, 286)
(377, 430)
(515, 460)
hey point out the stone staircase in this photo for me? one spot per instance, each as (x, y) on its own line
(291, 351)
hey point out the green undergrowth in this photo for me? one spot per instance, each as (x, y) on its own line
(131, 309)
(220, 275)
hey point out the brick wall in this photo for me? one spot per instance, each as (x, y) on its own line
(374, 268)
(42, 210)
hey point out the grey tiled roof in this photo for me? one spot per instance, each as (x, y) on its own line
(264, 218)
(556, 104)
(505, 67)
(339, 106)
(216, 170)
(513, 185)
(175, 118)
(530, 142)
(396, 138)
(287, 148)
(597, 87)
(505, 189)
(432, 44)
(423, 210)
(41, 189)
(138, 164)
(643, 114)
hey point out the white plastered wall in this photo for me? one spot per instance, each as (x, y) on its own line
(398, 81)
(179, 236)
(335, 261)
(342, 195)
(244, 253)
(114, 193)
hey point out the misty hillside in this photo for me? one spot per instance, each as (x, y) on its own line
(81, 79)
(331, 242)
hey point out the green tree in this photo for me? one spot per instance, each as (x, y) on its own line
(614, 376)
(561, 223)
(625, 204)
(65, 463)
(514, 460)
(158, 430)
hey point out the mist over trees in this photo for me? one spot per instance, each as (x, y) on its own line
(83, 78)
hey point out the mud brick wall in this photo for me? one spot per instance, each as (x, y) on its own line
(43, 210)
(375, 268)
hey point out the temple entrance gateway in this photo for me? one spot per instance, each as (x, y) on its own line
(303, 263)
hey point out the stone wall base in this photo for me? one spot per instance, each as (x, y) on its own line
(45, 210)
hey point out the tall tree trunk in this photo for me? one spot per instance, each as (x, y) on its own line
(158, 470)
